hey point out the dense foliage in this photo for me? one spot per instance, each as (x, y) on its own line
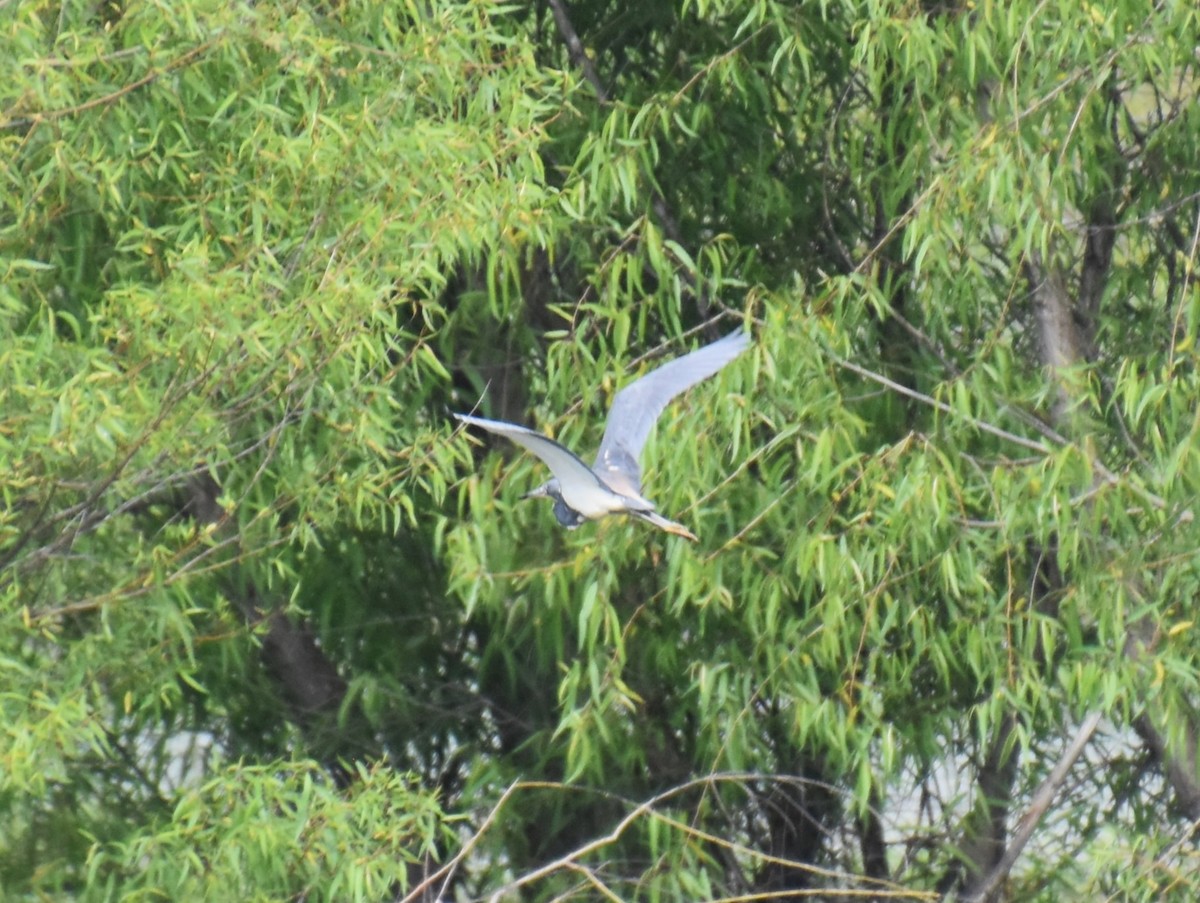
(273, 629)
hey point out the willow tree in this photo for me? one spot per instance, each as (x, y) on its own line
(228, 236)
(273, 629)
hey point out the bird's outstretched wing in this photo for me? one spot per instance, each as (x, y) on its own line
(637, 407)
(565, 466)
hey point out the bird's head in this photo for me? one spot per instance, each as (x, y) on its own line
(567, 516)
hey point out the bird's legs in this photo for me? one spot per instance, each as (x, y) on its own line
(653, 517)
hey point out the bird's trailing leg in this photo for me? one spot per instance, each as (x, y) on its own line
(652, 517)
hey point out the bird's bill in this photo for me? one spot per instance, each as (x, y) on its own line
(541, 492)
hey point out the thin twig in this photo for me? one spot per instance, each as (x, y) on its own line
(152, 75)
(940, 405)
(448, 869)
(1106, 475)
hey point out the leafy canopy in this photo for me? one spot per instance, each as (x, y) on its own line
(272, 629)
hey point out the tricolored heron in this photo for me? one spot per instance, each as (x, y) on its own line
(613, 484)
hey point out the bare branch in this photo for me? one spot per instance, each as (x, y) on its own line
(1037, 808)
(986, 825)
(982, 425)
(575, 49)
(579, 57)
(650, 808)
(1182, 780)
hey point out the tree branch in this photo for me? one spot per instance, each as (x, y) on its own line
(1182, 781)
(1059, 344)
(579, 57)
(575, 50)
(1061, 347)
(872, 843)
(986, 825)
(1037, 808)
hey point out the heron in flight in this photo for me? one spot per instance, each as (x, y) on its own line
(613, 484)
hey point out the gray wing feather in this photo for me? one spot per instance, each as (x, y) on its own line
(637, 407)
(561, 461)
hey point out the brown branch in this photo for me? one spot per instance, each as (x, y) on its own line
(88, 515)
(1097, 261)
(447, 870)
(579, 58)
(981, 425)
(1176, 768)
(986, 825)
(308, 680)
(650, 809)
(1037, 808)
(575, 50)
(1059, 344)
(872, 844)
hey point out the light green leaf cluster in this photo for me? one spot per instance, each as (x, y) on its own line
(226, 233)
(276, 832)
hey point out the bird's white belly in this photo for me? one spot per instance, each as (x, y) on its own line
(594, 501)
